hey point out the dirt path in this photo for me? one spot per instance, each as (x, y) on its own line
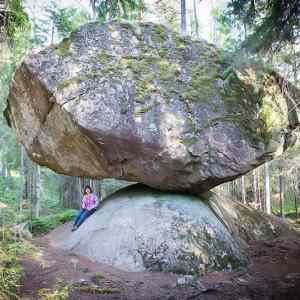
(274, 273)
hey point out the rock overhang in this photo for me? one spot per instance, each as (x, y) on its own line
(142, 103)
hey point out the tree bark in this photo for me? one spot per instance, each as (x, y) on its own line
(52, 33)
(31, 187)
(259, 198)
(267, 189)
(71, 192)
(296, 205)
(35, 185)
(295, 69)
(25, 176)
(196, 18)
(255, 197)
(3, 167)
(243, 190)
(183, 17)
(281, 199)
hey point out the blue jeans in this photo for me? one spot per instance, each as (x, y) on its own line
(83, 215)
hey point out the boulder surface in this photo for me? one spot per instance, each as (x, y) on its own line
(138, 229)
(142, 103)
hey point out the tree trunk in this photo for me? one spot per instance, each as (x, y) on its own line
(71, 192)
(183, 17)
(52, 33)
(38, 191)
(243, 190)
(296, 205)
(259, 198)
(35, 186)
(25, 176)
(3, 167)
(255, 197)
(281, 199)
(31, 188)
(267, 189)
(196, 18)
(295, 69)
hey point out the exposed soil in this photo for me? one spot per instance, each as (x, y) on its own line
(274, 273)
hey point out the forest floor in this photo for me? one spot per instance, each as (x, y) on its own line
(273, 273)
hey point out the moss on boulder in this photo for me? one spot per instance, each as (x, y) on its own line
(152, 105)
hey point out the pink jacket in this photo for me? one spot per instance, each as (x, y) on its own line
(89, 201)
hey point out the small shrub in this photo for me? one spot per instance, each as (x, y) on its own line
(99, 275)
(98, 290)
(67, 216)
(61, 291)
(43, 225)
(11, 271)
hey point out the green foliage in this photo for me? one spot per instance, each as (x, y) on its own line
(288, 204)
(117, 9)
(226, 36)
(63, 49)
(99, 276)
(50, 198)
(161, 34)
(10, 268)
(66, 216)
(203, 85)
(10, 188)
(273, 23)
(169, 11)
(12, 51)
(43, 224)
(9, 216)
(168, 71)
(66, 20)
(60, 291)
(98, 290)
(17, 18)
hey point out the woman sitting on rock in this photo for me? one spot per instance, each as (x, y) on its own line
(89, 206)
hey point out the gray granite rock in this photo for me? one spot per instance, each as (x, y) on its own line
(139, 228)
(141, 103)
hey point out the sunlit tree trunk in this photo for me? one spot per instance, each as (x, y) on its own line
(255, 197)
(25, 176)
(295, 69)
(259, 196)
(267, 189)
(35, 186)
(296, 190)
(31, 188)
(281, 198)
(52, 33)
(296, 206)
(183, 17)
(213, 25)
(196, 20)
(39, 189)
(243, 190)
(3, 167)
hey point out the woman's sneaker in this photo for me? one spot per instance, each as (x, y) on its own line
(74, 228)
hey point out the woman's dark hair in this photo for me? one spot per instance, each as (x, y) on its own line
(87, 187)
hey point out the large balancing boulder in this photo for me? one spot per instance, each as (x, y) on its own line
(142, 103)
(138, 229)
